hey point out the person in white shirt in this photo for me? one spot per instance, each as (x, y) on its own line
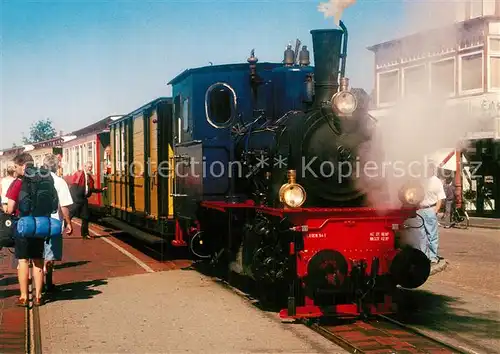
(434, 195)
(5, 184)
(53, 249)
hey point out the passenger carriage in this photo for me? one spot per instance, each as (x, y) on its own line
(141, 182)
(89, 144)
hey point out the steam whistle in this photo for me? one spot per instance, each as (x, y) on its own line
(296, 52)
(255, 79)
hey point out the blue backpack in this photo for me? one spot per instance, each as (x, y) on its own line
(38, 227)
(27, 226)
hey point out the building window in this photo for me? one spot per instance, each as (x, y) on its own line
(495, 45)
(495, 72)
(415, 80)
(443, 77)
(476, 8)
(494, 64)
(471, 72)
(388, 87)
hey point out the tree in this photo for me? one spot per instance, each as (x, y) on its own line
(40, 131)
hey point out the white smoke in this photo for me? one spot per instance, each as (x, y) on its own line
(414, 129)
(417, 125)
(335, 8)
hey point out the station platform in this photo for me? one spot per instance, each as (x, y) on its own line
(13, 327)
(113, 298)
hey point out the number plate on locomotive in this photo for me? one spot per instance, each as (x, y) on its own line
(379, 236)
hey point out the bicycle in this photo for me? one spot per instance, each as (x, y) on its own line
(459, 219)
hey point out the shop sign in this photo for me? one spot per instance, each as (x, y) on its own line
(484, 105)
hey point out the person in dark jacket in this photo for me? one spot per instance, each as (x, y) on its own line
(81, 187)
(449, 190)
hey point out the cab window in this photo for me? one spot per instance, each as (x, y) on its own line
(220, 104)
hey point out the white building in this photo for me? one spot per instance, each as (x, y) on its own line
(463, 59)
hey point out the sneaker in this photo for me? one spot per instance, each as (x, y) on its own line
(437, 266)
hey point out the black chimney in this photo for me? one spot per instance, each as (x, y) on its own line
(327, 49)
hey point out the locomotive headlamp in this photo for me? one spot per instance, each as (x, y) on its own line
(344, 103)
(292, 194)
(411, 194)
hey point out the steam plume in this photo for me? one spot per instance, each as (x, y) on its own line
(420, 123)
(335, 8)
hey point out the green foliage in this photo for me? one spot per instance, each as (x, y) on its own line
(40, 131)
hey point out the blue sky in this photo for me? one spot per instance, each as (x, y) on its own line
(77, 62)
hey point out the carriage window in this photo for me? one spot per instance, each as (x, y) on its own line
(77, 157)
(117, 151)
(220, 105)
(185, 115)
(122, 149)
(90, 153)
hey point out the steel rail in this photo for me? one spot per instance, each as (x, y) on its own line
(32, 319)
(352, 348)
(37, 333)
(341, 342)
(27, 325)
(422, 334)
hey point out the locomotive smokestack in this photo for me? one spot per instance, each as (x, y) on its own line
(327, 49)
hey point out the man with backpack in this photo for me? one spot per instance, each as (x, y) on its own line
(32, 194)
(54, 247)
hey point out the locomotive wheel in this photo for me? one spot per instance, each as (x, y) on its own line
(410, 268)
(326, 271)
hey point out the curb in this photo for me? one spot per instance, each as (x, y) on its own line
(491, 227)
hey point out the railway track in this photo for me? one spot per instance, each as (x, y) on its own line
(382, 335)
(32, 321)
(379, 335)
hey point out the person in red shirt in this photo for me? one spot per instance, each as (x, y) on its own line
(82, 186)
(26, 249)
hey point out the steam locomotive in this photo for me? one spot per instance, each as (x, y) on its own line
(243, 182)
